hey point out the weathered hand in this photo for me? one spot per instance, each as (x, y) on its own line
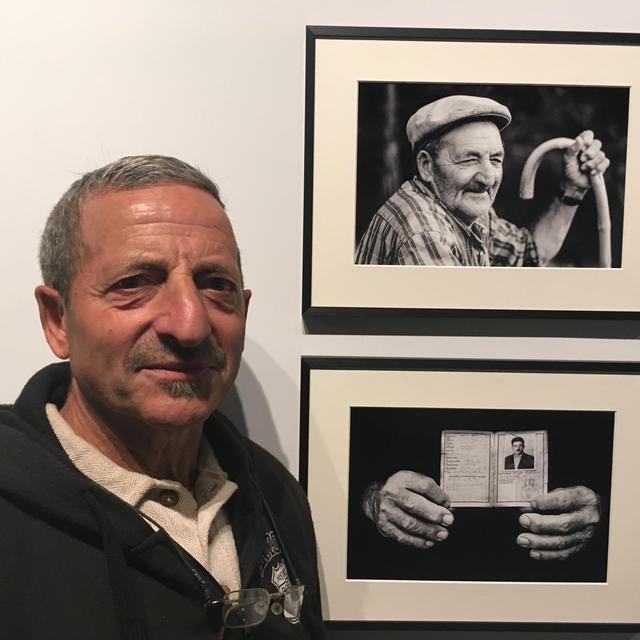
(560, 523)
(409, 508)
(582, 159)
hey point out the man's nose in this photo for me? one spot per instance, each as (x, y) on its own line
(182, 314)
(486, 174)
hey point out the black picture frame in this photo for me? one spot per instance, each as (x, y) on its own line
(331, 387)
(338, 298)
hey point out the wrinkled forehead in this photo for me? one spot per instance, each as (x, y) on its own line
(110, 212)
(169, 210)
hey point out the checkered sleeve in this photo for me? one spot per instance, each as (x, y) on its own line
(428, 248)
(379, 243)
(410, 229)
(510, 245)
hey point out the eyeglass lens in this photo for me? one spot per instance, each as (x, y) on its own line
(249, 607)
(293, 603)
(245, 608)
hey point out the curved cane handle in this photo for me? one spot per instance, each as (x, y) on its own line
(597, 184)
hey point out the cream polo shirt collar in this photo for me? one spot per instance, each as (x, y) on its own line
(195, 521)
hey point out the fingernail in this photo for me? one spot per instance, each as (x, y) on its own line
(593, 172)
(442, 535)
(523, 541)
(534, 555)
(525, 521)
(428, 544)
(447, 519)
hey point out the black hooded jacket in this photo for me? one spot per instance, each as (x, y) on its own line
(77, 562)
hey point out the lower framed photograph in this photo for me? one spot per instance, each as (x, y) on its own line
(474, 492)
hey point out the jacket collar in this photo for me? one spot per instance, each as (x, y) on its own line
(39, 473)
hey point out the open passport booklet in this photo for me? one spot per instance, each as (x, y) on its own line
(493, 469)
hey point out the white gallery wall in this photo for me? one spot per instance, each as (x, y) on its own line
(221, 85)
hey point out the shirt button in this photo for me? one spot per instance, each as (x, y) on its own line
(169, 498)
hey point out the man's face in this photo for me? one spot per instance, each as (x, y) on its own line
(518, 447)
(467, 169)
(156, 320)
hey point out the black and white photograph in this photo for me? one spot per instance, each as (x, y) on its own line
(516, 457)
(443, 169)
(402, 525)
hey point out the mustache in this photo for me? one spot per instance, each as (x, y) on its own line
(478, 188)
(205, 355)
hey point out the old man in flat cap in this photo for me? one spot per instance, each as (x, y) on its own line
(445, 215)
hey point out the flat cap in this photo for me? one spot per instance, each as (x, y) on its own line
(435, 118)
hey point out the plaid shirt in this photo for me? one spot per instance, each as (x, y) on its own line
(413, 228)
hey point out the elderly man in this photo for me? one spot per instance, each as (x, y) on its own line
(445, 216)
(129, 508)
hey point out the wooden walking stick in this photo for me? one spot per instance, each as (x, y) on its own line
(597, 184)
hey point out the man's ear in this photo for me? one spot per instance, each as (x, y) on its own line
(424, 163)
(52, 318)
(246, 294)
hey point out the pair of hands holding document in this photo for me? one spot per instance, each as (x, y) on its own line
(412, 509)
(487, 469)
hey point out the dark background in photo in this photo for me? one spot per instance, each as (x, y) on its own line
(482, 542)
(539, 112)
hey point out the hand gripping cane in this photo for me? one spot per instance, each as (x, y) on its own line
(597, 184)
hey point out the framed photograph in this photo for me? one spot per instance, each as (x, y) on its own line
(471, 171)
(473, 492)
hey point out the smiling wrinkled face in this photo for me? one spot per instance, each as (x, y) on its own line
(467, 169)
(155, 326)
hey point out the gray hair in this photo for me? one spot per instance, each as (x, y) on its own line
(431, 146)
(61, 242)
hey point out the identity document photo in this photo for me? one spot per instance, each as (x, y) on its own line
(476, 473)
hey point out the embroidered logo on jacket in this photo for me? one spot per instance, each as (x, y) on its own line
(271, 550)
(280, 577)
(272, 556)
